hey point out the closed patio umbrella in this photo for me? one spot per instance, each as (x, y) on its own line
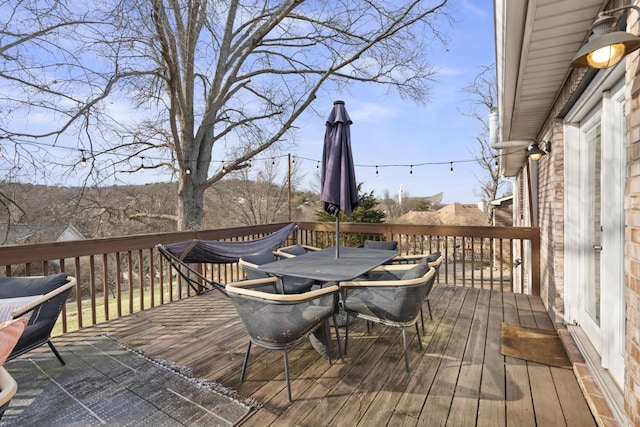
(338, 190)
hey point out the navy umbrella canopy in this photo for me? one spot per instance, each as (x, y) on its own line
(339, 191)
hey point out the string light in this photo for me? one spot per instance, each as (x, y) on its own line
(318, 165)
(142, 163)
(83, 160)
(224, 169)
(273, 161)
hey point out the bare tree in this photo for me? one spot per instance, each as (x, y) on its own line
(152, 84)
(482, 97)
(10, 213)
(391, 205)
(260, 193)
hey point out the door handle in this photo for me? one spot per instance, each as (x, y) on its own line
(597, 248)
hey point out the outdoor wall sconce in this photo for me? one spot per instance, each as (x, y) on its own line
(534, 152)
(606, 46)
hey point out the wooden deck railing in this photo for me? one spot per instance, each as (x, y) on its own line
(123, 275)
(502, 258)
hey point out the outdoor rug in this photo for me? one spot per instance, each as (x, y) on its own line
(536, 345)
(104, 383)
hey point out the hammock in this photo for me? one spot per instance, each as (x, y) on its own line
(182, 254)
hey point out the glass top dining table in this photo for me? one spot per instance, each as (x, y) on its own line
(323, 265)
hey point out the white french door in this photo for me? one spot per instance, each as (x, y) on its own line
(594, 225)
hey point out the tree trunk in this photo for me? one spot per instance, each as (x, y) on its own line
(190, 202)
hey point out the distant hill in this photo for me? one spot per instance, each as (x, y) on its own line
(45, 211)
(94, 212)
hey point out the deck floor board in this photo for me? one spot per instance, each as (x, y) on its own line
(459, 377)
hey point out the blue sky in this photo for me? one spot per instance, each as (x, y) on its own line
(387, 130)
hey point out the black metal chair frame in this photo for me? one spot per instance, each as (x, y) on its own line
(199, 287)
(183, 255)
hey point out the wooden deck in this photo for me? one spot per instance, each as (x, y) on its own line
(459, 378)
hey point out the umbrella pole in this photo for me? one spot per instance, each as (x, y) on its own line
(338, 235)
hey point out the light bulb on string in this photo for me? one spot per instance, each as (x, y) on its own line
(377, 173)
(451, 169)
(224, 169)
(83, 160)
(273, 161)
(318, 165)
(411, 171)
(142, 163)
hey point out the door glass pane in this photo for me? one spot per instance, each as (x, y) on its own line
(593, 282)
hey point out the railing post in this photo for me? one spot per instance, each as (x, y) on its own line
(535, 264)
(388, 231)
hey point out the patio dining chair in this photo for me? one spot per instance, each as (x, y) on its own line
(8, 389)
(396, 271)
(390, 245)
(391, 302)
(285, 284)
(294, 251)
(416, 258)
(41, 298)
(279, 322)
(435, 263)
(10, 332)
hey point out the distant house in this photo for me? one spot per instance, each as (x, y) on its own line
(463, 215)
(32, 234)
(453, 214)
(28, 233)
(502, 214)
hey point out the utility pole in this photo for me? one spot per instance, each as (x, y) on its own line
(289, 182)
